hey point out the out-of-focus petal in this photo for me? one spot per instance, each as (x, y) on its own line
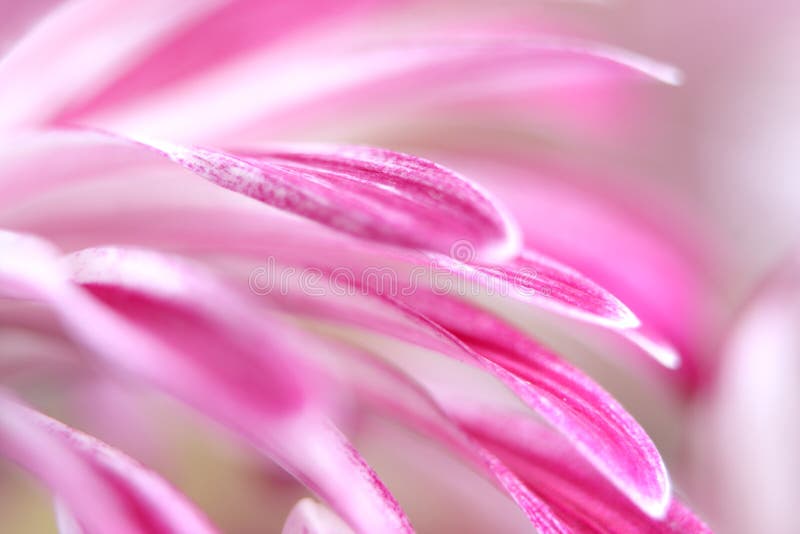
(643, 256)
(310, 517)
(18, 17)
(170, 325)
(99, 485)
(748, 434)
(261, 95)
(93, 40)
(233, 28)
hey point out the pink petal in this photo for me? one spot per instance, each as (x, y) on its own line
(223, 33)
(310, 517)
(748, 433)
(535, 278)
(18, 17)
(636, 252)
(371, 193)
(375, 192)
(601, 430)
(606, 435)
(393, 391)
(170, 325)
(261, 95)
(548, 464)
(94, 41)
(99, 485)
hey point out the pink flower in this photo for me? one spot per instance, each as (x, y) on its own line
(195, 203)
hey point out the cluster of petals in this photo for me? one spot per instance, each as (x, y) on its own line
(145, 172)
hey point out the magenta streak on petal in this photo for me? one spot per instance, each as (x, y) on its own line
(537, 280)
(538, 275)
(549, 465)
(384, 187)
(374, 194)
(546, 462)
(371, 193)
(645, 264)
(392, 390)
(98, 484)
(118, 320)
(600, 429)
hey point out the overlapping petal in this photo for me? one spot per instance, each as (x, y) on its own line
(99, 486)
(584, 500)
(371, 76)
(390, 390)
(371, 193)
(168, 325)
(601, 430)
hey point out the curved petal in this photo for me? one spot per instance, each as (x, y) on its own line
(645, 256)
(169, 325)
(391, 390)
(384, 187)
(372, 193)
(586, 501)
(94, 40)
(320, 83)
(748, 433)
(99, 485)
(601, 430)
(599, 427)
(206, 42)
(310, 517)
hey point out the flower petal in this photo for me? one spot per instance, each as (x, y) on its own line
(374, 194)
(169, 325)
(98, 484)
(292, 90)
(310, 517)
(748, 433)
(207, 41)
(638, 253)
(94, 39)
(550, 466)
(382, 385)
(535, 278)
(600, 429)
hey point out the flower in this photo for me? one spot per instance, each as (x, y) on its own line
(178, 220)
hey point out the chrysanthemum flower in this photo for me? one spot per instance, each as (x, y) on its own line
(192, 206)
